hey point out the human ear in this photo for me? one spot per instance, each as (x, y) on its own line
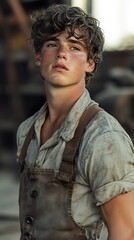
(37, 58)
(90, 66)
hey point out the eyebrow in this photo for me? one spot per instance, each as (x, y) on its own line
(51, 39)
(76, 42)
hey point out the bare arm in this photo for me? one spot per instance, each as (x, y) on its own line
(118, 215)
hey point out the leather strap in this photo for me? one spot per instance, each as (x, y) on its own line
(66, 171)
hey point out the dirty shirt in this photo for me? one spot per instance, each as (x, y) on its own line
(104, 165)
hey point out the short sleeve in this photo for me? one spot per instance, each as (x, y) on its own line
(111, 169)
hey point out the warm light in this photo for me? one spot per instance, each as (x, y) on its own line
(80, 3)
(116, 18)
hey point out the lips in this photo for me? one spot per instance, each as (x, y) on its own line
(60, 66)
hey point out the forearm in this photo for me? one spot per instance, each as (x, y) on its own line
(124, 235)
(119, 218)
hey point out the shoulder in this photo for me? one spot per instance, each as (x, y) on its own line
(24, 128)
(104, 144)
(104, 124)
(25, 125)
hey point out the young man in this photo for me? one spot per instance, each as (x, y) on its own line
(76, 161)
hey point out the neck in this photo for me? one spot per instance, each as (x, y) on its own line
(60, 101)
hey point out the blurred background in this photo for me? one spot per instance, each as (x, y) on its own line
(22, 90)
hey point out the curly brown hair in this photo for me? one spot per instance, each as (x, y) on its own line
(58, 18)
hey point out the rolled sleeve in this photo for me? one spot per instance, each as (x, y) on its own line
(110, 190)
(111, 167)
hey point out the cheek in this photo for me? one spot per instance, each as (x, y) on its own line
(79, 65)
(46, 60)
(46, 57)
(79, 60)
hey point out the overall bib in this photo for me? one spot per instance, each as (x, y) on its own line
(45, 194)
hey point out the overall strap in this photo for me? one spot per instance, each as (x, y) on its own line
(66, 171)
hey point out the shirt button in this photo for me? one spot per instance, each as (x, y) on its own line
(29, 220)
(34, 194)
(27, 236)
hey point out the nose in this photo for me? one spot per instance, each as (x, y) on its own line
(62, 52)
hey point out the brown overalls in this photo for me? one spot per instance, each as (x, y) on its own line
(45, 195)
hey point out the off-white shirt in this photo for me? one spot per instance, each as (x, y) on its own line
(105, 163)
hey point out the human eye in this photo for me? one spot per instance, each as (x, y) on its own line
(51, 44)
(75, 48)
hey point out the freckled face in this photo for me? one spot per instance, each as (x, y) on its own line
(63, 61)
